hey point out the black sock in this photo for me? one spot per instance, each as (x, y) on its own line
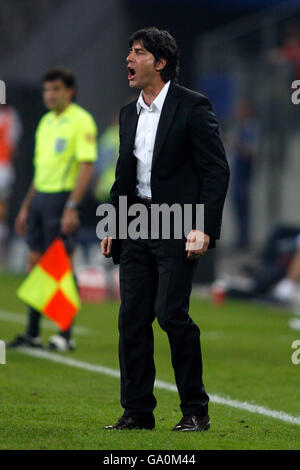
(33, 322)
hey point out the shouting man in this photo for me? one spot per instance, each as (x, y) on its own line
(170, 152)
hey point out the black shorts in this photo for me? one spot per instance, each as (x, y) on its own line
(44, 220)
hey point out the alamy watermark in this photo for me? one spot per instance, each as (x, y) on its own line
(163, 217)
(296, 354)
(2, 92)
(2, 352)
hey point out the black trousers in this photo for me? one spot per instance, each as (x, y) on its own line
(154, 284)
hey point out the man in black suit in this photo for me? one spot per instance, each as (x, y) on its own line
(170, 152)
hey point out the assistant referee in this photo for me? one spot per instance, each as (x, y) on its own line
(65, 149)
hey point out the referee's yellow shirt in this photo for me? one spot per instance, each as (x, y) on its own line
(61, 143)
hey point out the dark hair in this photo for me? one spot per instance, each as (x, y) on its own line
(163, 46)
(63, 74)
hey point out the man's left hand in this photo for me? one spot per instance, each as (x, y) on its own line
(196, 244)
(69, 221)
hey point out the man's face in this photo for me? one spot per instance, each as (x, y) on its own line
(56, 95)
(141, 66)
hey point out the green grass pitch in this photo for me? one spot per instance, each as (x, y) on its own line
(247, 357)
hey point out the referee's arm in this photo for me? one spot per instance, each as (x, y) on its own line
(70, 219)
(21, 219)
(86, 154)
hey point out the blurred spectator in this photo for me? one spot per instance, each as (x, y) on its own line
(243, 143)
(288, 286)
(104, 170)
(10, 133)
(103, 179)
(276, 275)
(289, 52)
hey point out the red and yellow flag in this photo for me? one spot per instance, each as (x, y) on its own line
(50, 286)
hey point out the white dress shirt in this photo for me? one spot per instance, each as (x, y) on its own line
(145, 139)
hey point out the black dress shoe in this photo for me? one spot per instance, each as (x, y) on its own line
(128, 422)
(193, 423)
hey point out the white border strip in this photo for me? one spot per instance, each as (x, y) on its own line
(280, 415)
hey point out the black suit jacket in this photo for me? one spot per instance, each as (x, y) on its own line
(189, 163)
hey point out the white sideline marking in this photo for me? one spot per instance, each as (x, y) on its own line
(212, 335)
(21, 319)
(242, 405)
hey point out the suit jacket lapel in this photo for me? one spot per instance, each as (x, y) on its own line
(129, 132)
(166, 118)
(131, 127)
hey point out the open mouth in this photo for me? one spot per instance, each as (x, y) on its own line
(131, 73)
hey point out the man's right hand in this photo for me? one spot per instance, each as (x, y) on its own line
(106, 245)
(21, 221)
